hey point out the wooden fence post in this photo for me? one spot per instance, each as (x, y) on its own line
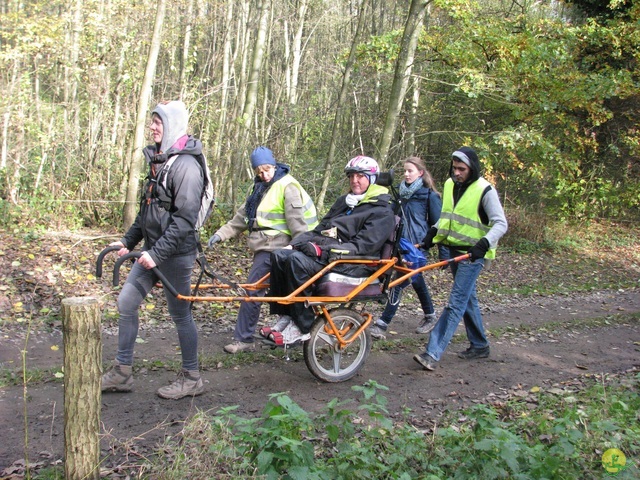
(82, 395)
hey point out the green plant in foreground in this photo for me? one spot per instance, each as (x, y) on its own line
(562, 437)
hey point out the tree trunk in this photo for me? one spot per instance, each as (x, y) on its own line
(222, 166)
(5, 140)
(76, 31)
(297, 54)
(184, 64)
(252, 89)
(82, 395)
(340, 107)
(404, 65)
(256, 65)
(413, 114)
(135, 161)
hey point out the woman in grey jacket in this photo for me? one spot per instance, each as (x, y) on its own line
(166, 222)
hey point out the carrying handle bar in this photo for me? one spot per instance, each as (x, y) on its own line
(103, 253)
(136, 255)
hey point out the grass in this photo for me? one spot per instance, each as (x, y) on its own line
(561, 432)
(13, 377)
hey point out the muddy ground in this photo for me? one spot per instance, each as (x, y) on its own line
(552, 341)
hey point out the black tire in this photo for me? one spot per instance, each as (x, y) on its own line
(322, 355)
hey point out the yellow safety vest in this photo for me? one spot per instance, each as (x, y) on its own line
(460, 226)
(270, 215)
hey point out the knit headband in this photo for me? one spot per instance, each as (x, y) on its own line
(462, 157)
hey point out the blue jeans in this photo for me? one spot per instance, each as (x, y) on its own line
(420, 286)
(462, 305)
(139, 283)
(249, 312)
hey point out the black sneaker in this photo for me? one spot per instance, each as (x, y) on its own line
(472, 353)
(427, 324)
(426, 361)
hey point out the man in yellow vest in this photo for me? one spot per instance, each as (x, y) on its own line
(472, 221)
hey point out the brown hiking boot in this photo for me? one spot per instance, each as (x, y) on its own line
(118, 378)
(187, 384)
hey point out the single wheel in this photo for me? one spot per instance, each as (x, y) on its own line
(323, 355)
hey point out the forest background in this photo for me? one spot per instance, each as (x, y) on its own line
(546, 92)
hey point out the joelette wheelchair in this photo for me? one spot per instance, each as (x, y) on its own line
(339, 341)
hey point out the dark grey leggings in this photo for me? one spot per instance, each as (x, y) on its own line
(139, 282)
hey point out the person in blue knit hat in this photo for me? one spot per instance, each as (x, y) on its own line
(277, 210)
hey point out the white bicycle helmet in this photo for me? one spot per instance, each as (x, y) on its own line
(362, 164)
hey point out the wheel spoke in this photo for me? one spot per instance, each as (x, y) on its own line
(337, 358)
(328, 339)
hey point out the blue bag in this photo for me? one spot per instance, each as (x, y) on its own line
(412, 256)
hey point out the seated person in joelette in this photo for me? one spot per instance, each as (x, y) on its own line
(358, 223)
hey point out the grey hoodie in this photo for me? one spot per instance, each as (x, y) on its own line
(167, 224)
(490, 208)
(175, 120)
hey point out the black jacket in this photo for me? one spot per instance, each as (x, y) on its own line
(362, 230)
(167, 224)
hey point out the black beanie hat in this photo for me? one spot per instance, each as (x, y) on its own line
(469, 157)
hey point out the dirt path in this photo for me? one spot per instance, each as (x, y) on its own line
(553, 340)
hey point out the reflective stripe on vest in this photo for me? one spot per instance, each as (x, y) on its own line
(461, 226)
(270, 215)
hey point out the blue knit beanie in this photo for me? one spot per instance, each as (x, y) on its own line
(262, 156)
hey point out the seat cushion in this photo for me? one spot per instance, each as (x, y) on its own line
(338, 285)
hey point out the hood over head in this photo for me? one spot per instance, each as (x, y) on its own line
(469, 157)
(175, 120)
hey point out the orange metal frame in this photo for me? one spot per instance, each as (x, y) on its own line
(344, 336)
(319, 302)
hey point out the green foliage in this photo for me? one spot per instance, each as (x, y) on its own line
(570, 150)
(562, 436)
(549, 98)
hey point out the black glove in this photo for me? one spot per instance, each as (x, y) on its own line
(312, 250)
(479, 250)
(215, 238)
(427, 243)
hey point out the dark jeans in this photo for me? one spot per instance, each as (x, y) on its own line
(139, 283)
(289, 270)
(420, 286)
(249, 313)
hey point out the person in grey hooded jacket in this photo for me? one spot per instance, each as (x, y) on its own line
(166, 223)
(472, 221)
